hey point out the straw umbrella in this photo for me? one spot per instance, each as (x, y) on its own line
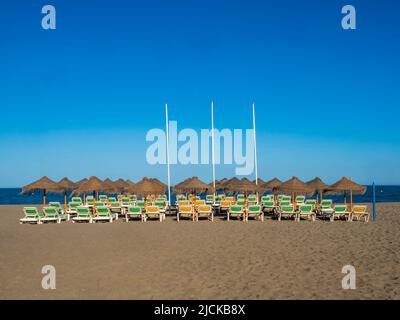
(81, 182)
(269, 185)
(193, 184)
(147, 186)
(94, 185)
(294, 186)
(318, 185)
(242, 185)
(344, 185)
(66, 185)
(121, 185)
(45, 184)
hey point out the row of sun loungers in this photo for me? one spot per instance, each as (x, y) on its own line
(110, 209)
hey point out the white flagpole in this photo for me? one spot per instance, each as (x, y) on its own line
(167, 139)
(255, 144)
(212, 145)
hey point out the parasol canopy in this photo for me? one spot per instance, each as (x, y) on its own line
(242, 185)
(191, 184)
(344, 185)
(269, 185)
(94, 184)
(45, 184)
(147, 186)
(66, 185)
(317, 184)
(294, 185)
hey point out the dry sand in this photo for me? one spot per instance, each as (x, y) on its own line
(186, 260)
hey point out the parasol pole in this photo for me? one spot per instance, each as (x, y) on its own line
(255, 148)
(44, 197)
(167, 139)
(212, 146)
(373, 202)
(351, 196)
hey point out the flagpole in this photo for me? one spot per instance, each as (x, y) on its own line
(255, 145)
(167, 139)
(212, 144)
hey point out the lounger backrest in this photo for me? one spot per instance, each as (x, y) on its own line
(183, 203)
(359, 209)
(186, 209)
(83, 211)
(160, 204)
(306, 208)
(311, 201)
(50, 211)
(210, 197)
(103, 197)
(102, 210)
(326, 203)
(205, 208)
(268, 203)
(225, 203)
(132, 197)
(114, 204)
(74, 204)
(152, 209)
(100, 204)
(31, 211)
(286, 198)
(76, 199)
(300, 198)
(254, 209)
(284, 203)
(231, 199)
(340, 208)
(240, 202)
(236, 208)
(140, 203)
(200, 202)
(240, 196)
(135, 209)
(55, 205)
(112, 199)
(287, 208)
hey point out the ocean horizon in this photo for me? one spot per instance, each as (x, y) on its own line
(13, 196)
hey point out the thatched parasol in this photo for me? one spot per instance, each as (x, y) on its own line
(121, 185)
(269, 185)
(147, 186)
(344, 185)
(318, 185)
(66, 185)
(193, 184)
(94, 185)
(110, 186)
(45, 184)
(294, 186)
(81, 182)
(243, 185)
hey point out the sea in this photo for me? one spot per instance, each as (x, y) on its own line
(382, 194)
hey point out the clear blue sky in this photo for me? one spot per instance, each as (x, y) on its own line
(79, 100)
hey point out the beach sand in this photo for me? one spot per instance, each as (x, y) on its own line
(186, 260)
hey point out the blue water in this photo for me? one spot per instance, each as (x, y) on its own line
(14, 196)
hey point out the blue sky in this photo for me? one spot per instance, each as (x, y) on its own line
(78, 101)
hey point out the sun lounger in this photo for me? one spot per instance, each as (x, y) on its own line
(83, 214)
(359, 212)
(252, 200)
(237, 212)
(268, 205)
(286, 211)
(135, 212)
(340, 212)
(63, 215)
(225, 204)
(186, 211)
(154, 212)
(103, 214)
(205, 210)
(103, 198)
(306, 211)
(255, 211)
(31, 216)
(300, 200)
(50, 214)
(77, 200)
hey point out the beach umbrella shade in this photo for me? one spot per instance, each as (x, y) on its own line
(318, 185)
(294, 186)
(242, 185)
(147, 186)
(193, 184)
(94, 184)
(121, 185)
(269, 185)
(66, 185)
(81, 182)
(343, 185)
(45, 184)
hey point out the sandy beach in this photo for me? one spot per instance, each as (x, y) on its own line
(186, 260)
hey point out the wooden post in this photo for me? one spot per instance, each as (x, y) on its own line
(351, 196)
(44, 197)
(65, 200)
